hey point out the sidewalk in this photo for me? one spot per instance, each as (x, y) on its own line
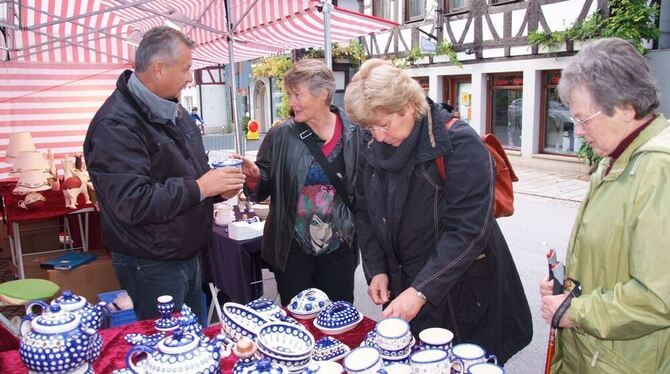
(550, 184)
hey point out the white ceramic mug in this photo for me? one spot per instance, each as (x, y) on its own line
(224, 215)
(436, 338)
(363, 360)
(465, 355)
(392, 334)
(485, 368)
(430, 361)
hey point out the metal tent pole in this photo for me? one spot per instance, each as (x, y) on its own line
(327, 50)
(230, 22)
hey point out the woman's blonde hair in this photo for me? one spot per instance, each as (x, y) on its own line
(380, 86)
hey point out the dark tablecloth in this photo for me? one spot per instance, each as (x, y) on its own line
(114, 349)
(233, 265)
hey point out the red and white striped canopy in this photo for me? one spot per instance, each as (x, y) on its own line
(99, 31)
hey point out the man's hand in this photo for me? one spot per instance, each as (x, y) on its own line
(379, 289)
(406, 306)
(546, 286)
(249, 167)
(549, 305)
(226, 181)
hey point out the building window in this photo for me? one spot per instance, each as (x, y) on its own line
(505, 108)
(381, 8)
(414, 10)
(558, 131)
(458, 93)
(455, 5)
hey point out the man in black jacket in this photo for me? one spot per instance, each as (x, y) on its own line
(149, 168)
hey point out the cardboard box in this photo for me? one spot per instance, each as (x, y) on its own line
(87, 280)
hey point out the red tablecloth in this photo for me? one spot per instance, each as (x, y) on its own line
(54, 206)
(114, 349)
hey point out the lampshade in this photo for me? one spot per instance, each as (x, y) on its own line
(19, 142)
(29, 160)
(32, 181)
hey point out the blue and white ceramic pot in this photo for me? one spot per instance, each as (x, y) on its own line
(180, 353)
(89, 315)
(56, 341)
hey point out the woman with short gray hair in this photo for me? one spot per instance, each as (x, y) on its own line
(613, 316)
(307, 165)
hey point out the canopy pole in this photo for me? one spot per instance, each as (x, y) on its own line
(327, 50)
(239, 141)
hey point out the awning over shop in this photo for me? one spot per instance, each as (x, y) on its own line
(106, 31)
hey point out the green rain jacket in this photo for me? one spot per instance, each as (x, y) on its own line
(620, 252)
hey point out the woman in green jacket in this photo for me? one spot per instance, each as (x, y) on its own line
(619, 249)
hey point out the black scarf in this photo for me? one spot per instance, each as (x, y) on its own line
(393, 159)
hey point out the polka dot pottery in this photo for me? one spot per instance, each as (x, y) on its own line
(329, 349)
(239, 320)
(56, 341)
(285, 340)
(266, 307)
(339, 317)
(308, 303)
(181, 352)
(90, 315)
(263, 366)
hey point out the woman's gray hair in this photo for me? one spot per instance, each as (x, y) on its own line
(159, 42)
(615, 74)
(315, 73)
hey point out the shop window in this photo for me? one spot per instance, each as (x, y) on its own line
(505, 108)
(414, 10)
(458, 93)
(558, 131)
(381, 8)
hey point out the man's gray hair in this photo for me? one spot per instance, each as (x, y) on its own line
(159, 42)
(615, 73)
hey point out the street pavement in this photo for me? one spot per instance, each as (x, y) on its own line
(546, 204)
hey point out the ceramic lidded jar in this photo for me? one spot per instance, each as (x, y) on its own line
(180, 353)
(56, 341)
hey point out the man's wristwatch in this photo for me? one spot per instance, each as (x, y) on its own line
(420, 294)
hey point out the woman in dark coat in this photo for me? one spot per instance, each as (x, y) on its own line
(432, 251)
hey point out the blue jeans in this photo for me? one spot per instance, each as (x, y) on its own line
(146, 280)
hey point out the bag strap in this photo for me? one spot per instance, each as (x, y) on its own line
(307, 136)
(439, 162)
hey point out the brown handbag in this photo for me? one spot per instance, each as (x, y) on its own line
(504, 195)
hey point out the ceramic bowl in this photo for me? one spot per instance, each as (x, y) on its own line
(363, 360)
(285, 340)
(403, 352)
(292, 364)
(339, 317)
(329, 349)
(324, 367)
(430, 361)
(308, 303)
(239, 321)
(261, 210)
(392, 334)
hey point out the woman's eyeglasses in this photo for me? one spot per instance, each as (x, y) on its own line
(377, 129)
(583, 122)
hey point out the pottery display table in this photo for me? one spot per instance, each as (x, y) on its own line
(54, 207)
(115, 347)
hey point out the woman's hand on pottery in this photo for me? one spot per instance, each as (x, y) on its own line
(546, 286)
(406, 306)
(550, 304)
(378, 290)
(226, 181)
(249, 167)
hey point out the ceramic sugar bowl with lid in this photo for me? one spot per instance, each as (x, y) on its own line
(56, 341)
(181, 352)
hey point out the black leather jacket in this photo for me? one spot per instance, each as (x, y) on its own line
(283, 162)
(144, 171)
